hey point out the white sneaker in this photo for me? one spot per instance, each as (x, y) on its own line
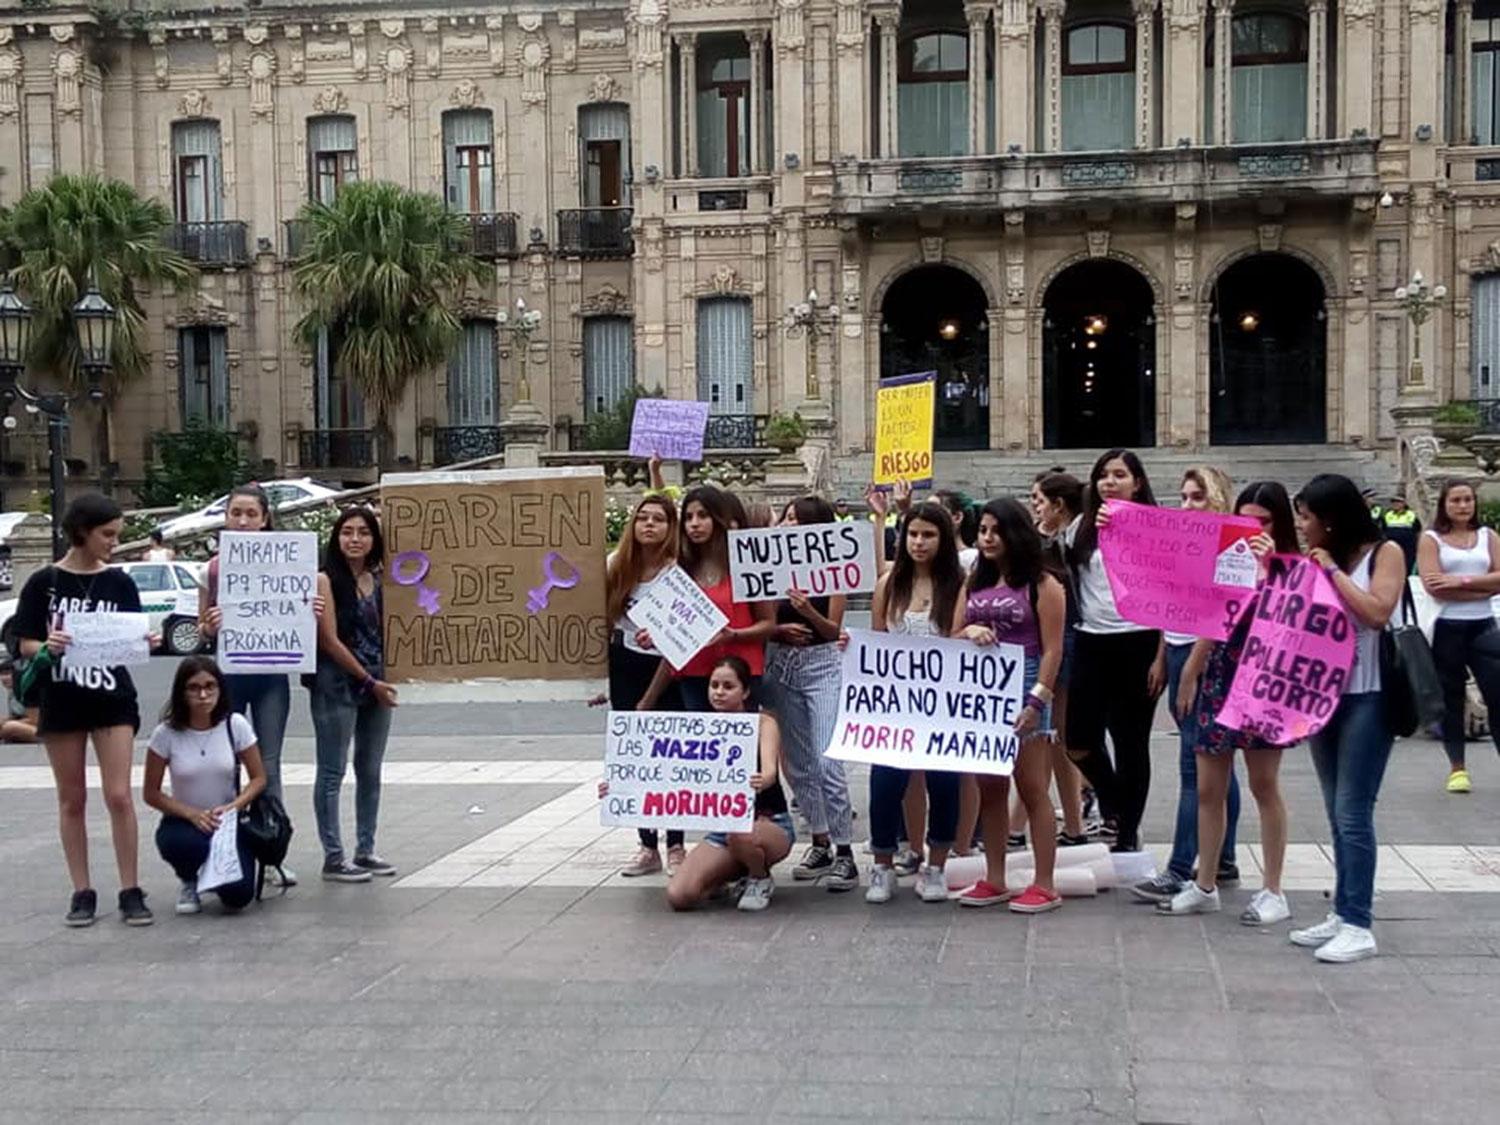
(282, 877)
(757, 894)
(187, 898)
(932, 884)
(1314, 936)
(1351, 943)
(1192, 899)
(1266, 909)
(882, 884)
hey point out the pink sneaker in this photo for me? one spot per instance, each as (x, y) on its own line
(1034, 900)
(983, 893)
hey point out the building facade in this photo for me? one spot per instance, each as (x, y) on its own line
(1154, 223)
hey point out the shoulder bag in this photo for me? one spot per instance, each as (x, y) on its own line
(1408, 675)
(265, 824)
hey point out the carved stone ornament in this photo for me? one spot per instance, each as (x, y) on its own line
(392, 29)
(1184, 15)
(61, 32)
(603, 88)
(472, 306)
(726, 280)
(261, 69)
(851, 25)
(495, 25)
(224, 65)
(204, 312)
(1269, 236)
(1492, 255)
(161, 61)
(608, 301)
(330, 99)
(67, 73)
(194, 103)
(932, 249)
(1098, 243)
(534, 54)
(647, 18)
(11, 63)
(465, 95)
(1359, 11)
(359, 49)
(1425, 9)
(789, 18)
(296, 66)
(257, 34)
(396, 61)
(434, 62)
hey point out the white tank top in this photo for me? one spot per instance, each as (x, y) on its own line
(1365, 675)
(913, 625)
(1473, 562)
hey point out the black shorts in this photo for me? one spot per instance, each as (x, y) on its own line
(72, 715)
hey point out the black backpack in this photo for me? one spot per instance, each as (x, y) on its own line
(266, 827)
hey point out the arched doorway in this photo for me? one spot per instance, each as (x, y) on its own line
(934, 319)
(1267, 343)
(1099, 358)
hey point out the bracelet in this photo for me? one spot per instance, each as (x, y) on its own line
(368, 684)
(1035, 703)
(1042, 692)
(1331, 569)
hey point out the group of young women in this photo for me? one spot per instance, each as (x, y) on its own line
(1038, 579)
(213, 725)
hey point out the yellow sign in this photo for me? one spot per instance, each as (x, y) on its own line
(903, 429)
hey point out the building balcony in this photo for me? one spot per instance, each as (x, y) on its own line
(595, 232)
(222, 243)
(454, 444)
(1133, 177)
(736, 199)
(490, 236)
(1474, 165)
(335, 449)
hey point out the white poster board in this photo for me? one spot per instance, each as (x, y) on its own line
(223, 863)
(819, 559)
(680, 769)
(267, 581)
(680, 617)
(107, 639)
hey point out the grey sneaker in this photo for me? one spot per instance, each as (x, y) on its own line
(82, 909)
(906, 862)
(1161, 888)
(188, 901)
(817, 861)
(843, 874)
(374, 865)
(340, 871)
(133, 908)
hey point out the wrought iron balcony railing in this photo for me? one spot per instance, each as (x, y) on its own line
(595, 232)
(452, 444)
(336, 449)
(211, 244)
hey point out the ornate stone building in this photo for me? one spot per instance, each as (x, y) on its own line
(1170, 223)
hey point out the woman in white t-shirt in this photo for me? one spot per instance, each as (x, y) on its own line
(200, 746)
(1459, 562)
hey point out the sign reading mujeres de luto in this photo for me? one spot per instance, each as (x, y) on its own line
(496, 574)
(680, 769)
(819, 559)
(923, 703)
(1297, 656)
(267, 582)
(1185, 571)
(904, 406)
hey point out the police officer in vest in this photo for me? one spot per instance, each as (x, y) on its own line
(1402, 528)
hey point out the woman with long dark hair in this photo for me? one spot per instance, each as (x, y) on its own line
(1199, 697)
(1459, 561)
(1011, 599)
(1350, 753)
(350, 699)
(1119, 668)
(918, 597)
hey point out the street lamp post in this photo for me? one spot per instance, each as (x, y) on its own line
(805, 318)
(94, 322)
(519, 327)
(1419, 300)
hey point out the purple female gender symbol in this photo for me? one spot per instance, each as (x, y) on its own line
(427, 597)
(536, 598)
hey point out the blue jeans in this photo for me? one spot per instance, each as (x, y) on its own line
(185, 849)
(1185, 837)
(887, 822)
(1350, 755)
(265, 701)
(335, 722)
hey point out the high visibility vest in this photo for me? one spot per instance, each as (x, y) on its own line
(1407, 518)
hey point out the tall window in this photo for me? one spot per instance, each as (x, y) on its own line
(933, 94)
(1485, 74)
(468, 160)
(336, 400)
(608, 362)
(198, 172)
(604, 134)
(1268, 78)
(725, 356)
(333, 156)
(203, 376)
(1098, 88)
(1485, 348)
(473, 388)
(723, 106)
(41, 140)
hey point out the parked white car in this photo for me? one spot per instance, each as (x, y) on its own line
(279, 492)
(169, 597)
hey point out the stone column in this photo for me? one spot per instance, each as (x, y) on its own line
(1145, 74)
(852, 39)
(1462, 130)
(978, 16)
(1317, 69)
(1015, 84)
(687, 51)
(1182, 74)
(1356, 85)
(890, 131)
(1223, 112)
(1052, 14)
(1424, 210)
(755, 39)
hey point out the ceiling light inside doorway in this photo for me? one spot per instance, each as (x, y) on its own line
(948, 329)
(1249, 320)
(1095, 325)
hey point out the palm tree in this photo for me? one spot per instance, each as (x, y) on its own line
(376, 266)
(76, 228)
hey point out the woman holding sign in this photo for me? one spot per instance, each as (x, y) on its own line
(1350, 752)
(79, 703)
(1011, 599)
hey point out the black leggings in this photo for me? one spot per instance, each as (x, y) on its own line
(1107, 691)
(630, 674)
(1459, 647)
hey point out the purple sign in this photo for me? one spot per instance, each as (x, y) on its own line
(669, 429)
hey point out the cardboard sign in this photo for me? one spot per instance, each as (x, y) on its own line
(904, 406)
(1184, 571)
(1297, 656)
(107, 639)
(675, 769)
(924, 703)
(665, 428)
(267, 582)
(496, 574)
(680, 617)
(819, 559)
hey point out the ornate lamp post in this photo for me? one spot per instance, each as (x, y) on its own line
(94, 322)
(806, 318)
(519, 327)
(1419, 300)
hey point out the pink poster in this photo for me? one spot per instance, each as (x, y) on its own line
(1297, 656)
(1186, 572)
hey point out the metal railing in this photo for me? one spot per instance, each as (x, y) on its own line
(595, 232)
(465, 443)
(724, 431)
(490, 235)
(336, 449)
(213, 244)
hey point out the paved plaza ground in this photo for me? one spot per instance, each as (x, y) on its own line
(509, 975)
